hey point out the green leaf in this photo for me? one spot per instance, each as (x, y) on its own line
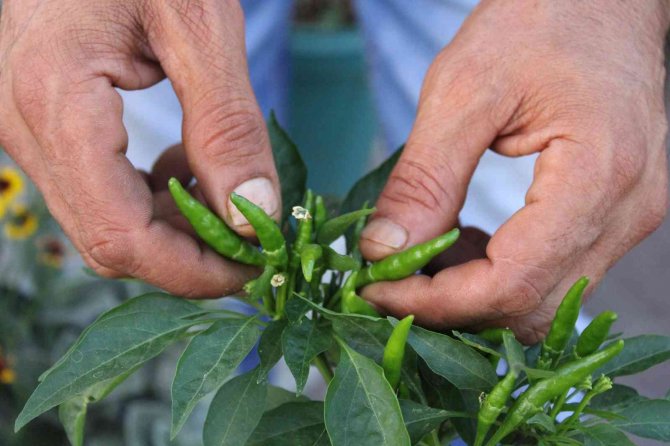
(638, 354)
(335, 227)
(119, 341)
(361, 407)
(207, 362)
(296, 310)
(516, 358)
(276, 396)
(420, 420)
(543, 421)
(235, 411)
(290, 167)
(366, 336)
(646, 418)
(301, 343)
(292, 424)
(455, 361)
(368, 188)
(338, 262)
(72, 413)
(441, 393)
(477, 343)
(615, 399)
(605, 435)
(269, 347)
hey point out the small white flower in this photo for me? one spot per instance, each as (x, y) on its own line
(300, 213)
(278, 280)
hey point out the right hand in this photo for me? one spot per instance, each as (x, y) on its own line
(60, 119)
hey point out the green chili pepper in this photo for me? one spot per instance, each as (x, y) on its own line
(338, 262)
(305, 225)
(405, 263)
(267, 230)
(212, 229)
(354, 236)
(351, 302)
(309, 256)
(332, 229)
(595, 333)
(493, 405)
(565, 377)
(563, 325)
(320, 212)
(394, 352)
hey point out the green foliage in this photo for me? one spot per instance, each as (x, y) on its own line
(443, 378)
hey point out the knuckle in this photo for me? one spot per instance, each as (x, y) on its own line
(111, 248)
(231, 133)
(415, 182)
(627, 167)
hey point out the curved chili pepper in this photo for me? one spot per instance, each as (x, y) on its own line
(267, 230)
(563, 325)
(595, 333)
(494, 335)
(405, 263)
(394, 351)
(351, 302)
(212, 229)
(565, 377)
(493, 405)
(309, 256)
(305, 225)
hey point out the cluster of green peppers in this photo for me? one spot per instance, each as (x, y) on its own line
(299, 269)
(310, 254)
(551, 392)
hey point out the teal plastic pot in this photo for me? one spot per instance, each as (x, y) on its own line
(331, 112)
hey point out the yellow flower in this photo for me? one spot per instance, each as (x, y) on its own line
(51, 251)
(21, 223)
(11, 185)
(7, 376)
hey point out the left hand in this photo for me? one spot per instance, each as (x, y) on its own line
(580, 83)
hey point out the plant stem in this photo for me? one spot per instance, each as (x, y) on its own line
(558, 405)
(433, 439)
(321, 364)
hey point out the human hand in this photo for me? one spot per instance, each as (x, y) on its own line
(60, 119)
(580, 83)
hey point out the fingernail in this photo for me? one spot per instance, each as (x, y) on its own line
(385, 232)
(260, 192)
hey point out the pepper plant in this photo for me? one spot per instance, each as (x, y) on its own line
(389, 382)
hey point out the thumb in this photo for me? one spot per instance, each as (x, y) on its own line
(427, 187)
(201, 48)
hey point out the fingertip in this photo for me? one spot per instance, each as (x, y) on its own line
(262, 192)
(381, 238)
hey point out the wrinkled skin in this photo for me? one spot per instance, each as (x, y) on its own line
(580, 83)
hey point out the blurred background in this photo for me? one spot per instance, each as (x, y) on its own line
(324, 66)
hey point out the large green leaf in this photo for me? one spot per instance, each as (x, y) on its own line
(208, 360)
(605, 435)
(646, 418)
(119, 341)
(301, 343)
(615, 399)
(368, 188)
(420, 419)
(366, 336)
(361, 407)
(455, 361)
(269, 347)
(235, 411)
(638, 354)
(290, 167)
(292, 424)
